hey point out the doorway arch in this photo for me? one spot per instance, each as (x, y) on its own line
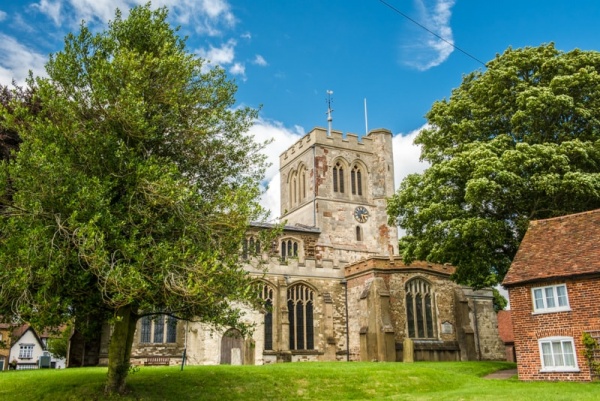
(232, 348)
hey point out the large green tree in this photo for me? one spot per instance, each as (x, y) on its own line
(132, 189)
(516, 142)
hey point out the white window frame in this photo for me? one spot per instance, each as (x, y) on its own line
(558, 360)
(26, 351)
(550, 300)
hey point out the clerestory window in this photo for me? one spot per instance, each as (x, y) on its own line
(250, 247)
(289, 249)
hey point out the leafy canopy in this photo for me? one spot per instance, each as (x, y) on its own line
(517, 142)
(134, 184)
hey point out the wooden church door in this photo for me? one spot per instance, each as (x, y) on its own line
(231, 348)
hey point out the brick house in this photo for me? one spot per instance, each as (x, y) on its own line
(505, 329)
(554, 285)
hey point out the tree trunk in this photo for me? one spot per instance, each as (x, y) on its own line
(119, 349)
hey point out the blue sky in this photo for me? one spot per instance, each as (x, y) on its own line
(285, 55)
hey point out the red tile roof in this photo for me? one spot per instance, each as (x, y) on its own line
(558, 247)
(505, 327)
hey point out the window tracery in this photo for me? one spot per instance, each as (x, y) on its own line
(338, 178)
(356, 180)
(300, 312)
(289, 249)
(420, 316)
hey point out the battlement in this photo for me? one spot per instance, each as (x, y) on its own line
(318, 136)
(382, 264)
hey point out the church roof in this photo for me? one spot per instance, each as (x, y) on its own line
(564, 246)
(298, 227)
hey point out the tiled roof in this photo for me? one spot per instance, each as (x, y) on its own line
(558, 247)
(505, 327)
(296, 227)
(18, 331)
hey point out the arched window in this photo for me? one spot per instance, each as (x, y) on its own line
(294, 191)
(250, 247)
(420, 317)
(300, 313)
(356, 180)
(338, 178)
(289, 249)
(358, 233)
(267, 296)
(303, 184)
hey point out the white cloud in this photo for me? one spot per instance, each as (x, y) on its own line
(209, 16)
(51, 9)
(2, 15)
(260, 60)
(406, 156)
(238, 69)
(206, 16)
(283, 138)
(17, 60)
(219, 55)
(246, 36)
(425, 50)
(406, 159)
(215, 9)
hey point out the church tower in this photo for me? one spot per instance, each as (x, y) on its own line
(339, 185)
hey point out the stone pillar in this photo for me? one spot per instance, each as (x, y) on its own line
(328, 329)
(465, 334)
(377, 341)
(408, 353)
(284, 333)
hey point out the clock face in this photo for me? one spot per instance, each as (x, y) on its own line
(361, 214)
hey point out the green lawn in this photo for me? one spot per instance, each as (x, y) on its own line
(308, 381)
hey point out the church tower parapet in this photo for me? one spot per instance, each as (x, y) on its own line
(340, 185)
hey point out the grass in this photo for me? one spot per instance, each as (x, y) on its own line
(302, 381)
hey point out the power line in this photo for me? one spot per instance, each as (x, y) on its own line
(431, 32)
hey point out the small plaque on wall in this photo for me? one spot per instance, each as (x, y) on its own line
(447, 328)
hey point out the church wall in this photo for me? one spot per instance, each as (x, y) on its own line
(485, 322)
(340, 264)
(473, 337)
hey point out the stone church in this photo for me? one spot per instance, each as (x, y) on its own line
(335, 289)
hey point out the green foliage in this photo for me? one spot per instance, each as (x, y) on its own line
(134, 184)
(499, 301)
(517, 142)
(59, 346)
(590, 349)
